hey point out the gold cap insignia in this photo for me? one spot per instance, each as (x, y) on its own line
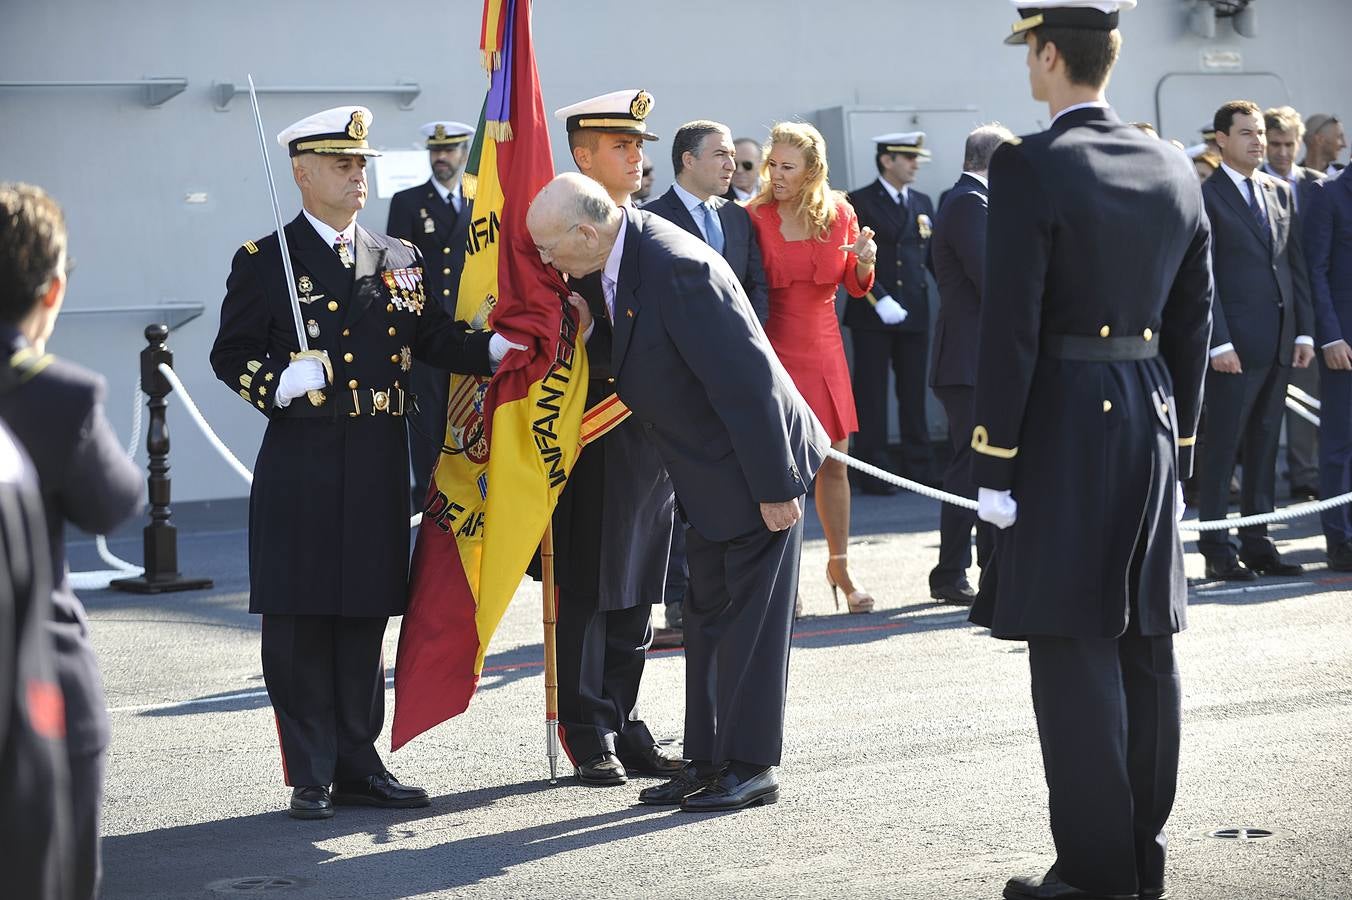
(641, 105)
(440, 133)
(356, 129)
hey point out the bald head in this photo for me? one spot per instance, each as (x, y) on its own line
(573, 223)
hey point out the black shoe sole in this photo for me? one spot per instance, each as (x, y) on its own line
(600, 782)
(311, 813)
(358, 800)
(1246, 575)
(760, 800)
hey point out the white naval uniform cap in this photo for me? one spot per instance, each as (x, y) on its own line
(911, 143)
(340, 131)
(619, 112)
(1095, 15)
(446, 134)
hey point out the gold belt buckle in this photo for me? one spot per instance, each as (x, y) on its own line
(380, 401)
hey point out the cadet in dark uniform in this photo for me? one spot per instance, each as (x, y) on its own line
(55, 409)
(329, 509)
(435, 218)
(889, 328)
(613, 523)
(1094, 332)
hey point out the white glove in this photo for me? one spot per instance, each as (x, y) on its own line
(1179, 509)
(498, 346)
(890, 311)
(301, 375)
(996, 507)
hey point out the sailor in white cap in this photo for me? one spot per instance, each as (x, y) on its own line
(329, 509)
(435, 216)
(613, 523)
(1093, 342)
(890, 325)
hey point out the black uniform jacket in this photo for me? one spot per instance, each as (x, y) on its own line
(902, 236)
(1097, 242)
(329, 510)
(740, 247)
(56, 412)
(697, 370)
(1262, 289)
(958, 254)
(418, 214)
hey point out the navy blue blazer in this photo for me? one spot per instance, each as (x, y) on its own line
(958, 258)
(1328, 249)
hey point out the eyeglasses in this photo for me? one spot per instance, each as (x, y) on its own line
(747, 165)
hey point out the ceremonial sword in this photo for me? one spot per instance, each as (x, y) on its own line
(316, 397)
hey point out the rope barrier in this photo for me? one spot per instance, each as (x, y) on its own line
(99, 579)
(1301, 411)
(1308, 399)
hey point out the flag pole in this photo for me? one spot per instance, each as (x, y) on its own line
(551, 618)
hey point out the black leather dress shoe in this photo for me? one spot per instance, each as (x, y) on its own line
(1051, 887)
(1301, 492)
(311, 801)
(671, 793)
(1228, 569)
(655, 761)
(959, 592)
(1272, 565)
(1340, 558)
(730, 792)
(602, 770)
(382, 789)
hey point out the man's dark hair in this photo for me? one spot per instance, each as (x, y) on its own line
(584, 137)
(1225, 116)
(688, 138)
(32, 241)
(1089, 53)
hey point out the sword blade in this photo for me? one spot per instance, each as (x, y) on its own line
(277, 217)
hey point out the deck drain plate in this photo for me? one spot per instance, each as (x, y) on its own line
(1240, 834)
(256, 884)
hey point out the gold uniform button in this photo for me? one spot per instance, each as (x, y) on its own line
(348, 357)
(1164, 408)
(445, 251)
(394, 358)
(1105, 331)
(389, 307)
(610, 380)
(445, 271)
(352, 385)
(1147, 334)
(393, 331)
(446, 292)
(333, 306)
(347, 332)
(1107, 406)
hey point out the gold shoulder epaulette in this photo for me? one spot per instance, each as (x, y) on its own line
(251, 247)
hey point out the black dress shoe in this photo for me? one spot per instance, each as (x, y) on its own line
(959, 592)
(311, 801)
(1228, 569)
(1301, 492)
(1051, 887)
(730, 792)
(687, 781)
(653, 761)
(382, 789)
(1272, 565)
(1340, 558)
(602, 770)
(668, 638)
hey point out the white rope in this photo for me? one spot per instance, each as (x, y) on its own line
(1308, 399)
(1301, 411)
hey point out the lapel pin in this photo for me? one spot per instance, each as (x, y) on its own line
(629, 313)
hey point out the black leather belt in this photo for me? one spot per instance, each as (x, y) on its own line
(1087, 348)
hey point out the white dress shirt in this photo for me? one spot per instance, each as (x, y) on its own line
(328, 235)
(610, 274)
(904, 193)
(694, 206)
(1090, 104)
(443, 192)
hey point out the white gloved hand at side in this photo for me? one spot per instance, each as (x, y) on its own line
(1179, 508)
(996, 507)
(890, 311)
(306, 374)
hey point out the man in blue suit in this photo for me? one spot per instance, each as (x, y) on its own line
(1328, 249)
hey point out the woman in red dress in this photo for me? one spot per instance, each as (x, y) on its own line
(811, 243)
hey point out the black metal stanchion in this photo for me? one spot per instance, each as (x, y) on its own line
(160, 537)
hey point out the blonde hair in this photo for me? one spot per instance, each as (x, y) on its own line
(817, 203)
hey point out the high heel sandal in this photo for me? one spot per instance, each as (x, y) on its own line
(856, 601)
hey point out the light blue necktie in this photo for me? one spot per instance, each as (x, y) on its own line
(713, 229)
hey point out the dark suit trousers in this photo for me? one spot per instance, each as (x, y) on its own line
(77, 670)
(424, 449)
(326, 678)
(738, 626)
(1335, 451)
(904, 352)
(955, 523)
(601, 655)
(1243, 414)
(1302, 438)
(1109, 719)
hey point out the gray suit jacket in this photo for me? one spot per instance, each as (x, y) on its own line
(699, 374)
(740, 248)
(1262, 290)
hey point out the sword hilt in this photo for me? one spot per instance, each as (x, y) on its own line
(316, 397)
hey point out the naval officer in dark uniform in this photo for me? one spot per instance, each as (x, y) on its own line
(889, 328)
(329, 509)
(435, 218)
(613, 523)
(1093, 346)
(55, 409)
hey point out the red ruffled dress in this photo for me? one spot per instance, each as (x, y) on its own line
(803, 326)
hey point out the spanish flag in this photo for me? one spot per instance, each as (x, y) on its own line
(510, 442)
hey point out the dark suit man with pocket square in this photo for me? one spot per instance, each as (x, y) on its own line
(1263, 326)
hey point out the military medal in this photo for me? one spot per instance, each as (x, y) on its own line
(922, 221)
(312, 328)
(304, 285)
(429, 226)
(405, 358)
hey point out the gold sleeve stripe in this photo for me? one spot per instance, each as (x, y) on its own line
(253, 365)
(871, 299)
(251, 247)
(245, 395)
(246, 381)
(1187, 441)
(981, 444)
